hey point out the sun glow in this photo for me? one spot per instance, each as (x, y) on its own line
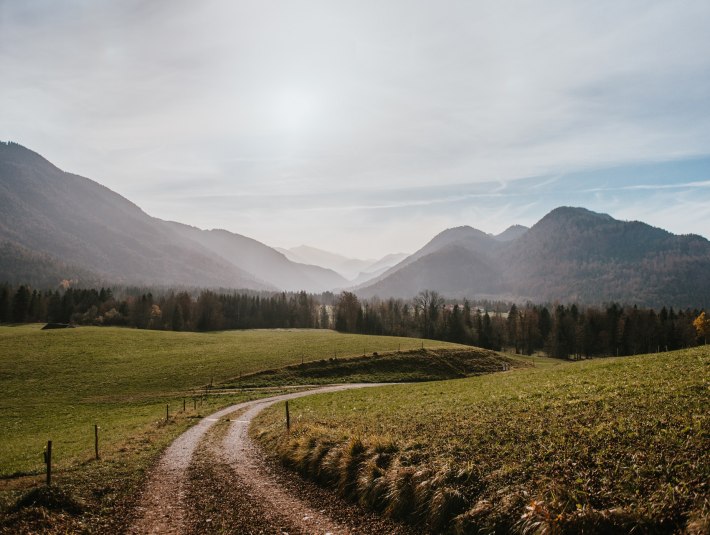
(294, 110)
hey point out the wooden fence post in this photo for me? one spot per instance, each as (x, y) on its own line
(167, 412)
(96, 440)
(48, 460)
(288, 419)
(183, 404)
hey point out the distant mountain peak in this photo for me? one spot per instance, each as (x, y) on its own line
(571, 254)
(513, 232)
(576, 212)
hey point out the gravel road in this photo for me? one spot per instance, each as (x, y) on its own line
(257, 492)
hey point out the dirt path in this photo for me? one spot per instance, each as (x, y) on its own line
(163, 507)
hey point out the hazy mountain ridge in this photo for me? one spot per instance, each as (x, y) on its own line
(254, 257)
(571, 254)
(464, 236)
(513, 232)
(67, 220)
(56, 225)
(19, 265)
(355, 270)
(349, 268)
(576, 254)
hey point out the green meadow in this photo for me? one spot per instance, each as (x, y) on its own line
(57, 384)
(601, 446)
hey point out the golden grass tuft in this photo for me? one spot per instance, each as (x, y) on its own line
(606, 446)
(400, 497)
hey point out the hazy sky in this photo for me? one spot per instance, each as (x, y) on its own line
(366, 127)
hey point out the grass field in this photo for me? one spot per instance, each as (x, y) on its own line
(57, 384)
(597, 446)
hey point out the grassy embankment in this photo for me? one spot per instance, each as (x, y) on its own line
(595, 446)
(415, 365)
(57, 384)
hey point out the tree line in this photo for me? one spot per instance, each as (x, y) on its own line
(166, 310)
(564, 331)
(559, 330)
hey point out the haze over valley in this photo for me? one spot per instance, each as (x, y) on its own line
(58, 226)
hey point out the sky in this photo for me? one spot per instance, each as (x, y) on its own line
(367, 127)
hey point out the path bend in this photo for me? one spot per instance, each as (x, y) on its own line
(162, 506)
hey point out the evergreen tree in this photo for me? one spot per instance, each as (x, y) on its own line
(21, 304)
(5, 304)
(324, 322)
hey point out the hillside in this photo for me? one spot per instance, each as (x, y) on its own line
(19, 265)
(571, 254)
(102, 372)
(254, 257)
(56, 225)
(347, 267)
(57, 384)
(602, 446)
(355, 270)
(511, 233)
(578, 255)
(79, 222)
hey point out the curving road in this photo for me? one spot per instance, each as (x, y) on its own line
(163, 508)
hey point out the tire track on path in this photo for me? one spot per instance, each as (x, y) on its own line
(162, 505)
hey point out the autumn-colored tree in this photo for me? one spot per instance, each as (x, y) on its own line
(702, 326)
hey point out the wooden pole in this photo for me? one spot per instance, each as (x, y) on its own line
(167, 412)
(183, 404)
(194, 404)
(48, 460)
(288, 418)
(96, 440)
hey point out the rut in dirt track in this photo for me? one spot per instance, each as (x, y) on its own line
(163, 507)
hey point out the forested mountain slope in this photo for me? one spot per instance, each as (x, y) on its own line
(572, 254)
(75, 221)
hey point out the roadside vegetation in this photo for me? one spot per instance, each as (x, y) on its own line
(57, 384)
(603, 446)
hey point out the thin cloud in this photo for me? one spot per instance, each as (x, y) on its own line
(652, 187)
(347, 105)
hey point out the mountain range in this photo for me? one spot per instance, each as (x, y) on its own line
(356, 270)
(570, 255)
(57, 226)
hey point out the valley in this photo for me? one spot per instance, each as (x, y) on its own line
(354, 268)
(56, 226)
